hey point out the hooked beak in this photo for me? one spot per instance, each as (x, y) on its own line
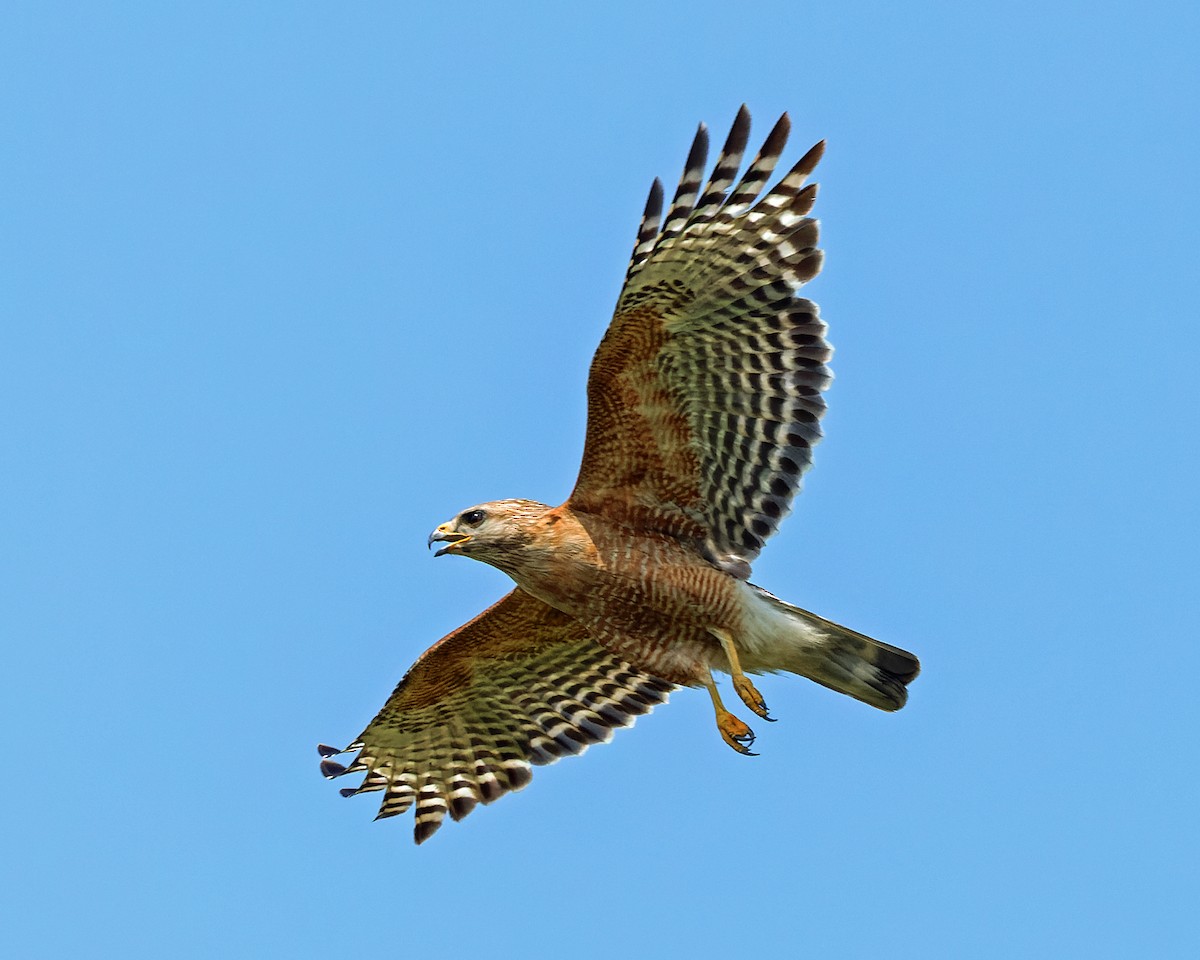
(452, 539)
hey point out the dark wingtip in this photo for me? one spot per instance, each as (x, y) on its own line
(777, 138)
(519, 777)
(812, 158)
(491, 790)
(425, 829)
(699, 151)
(805, 200)
(739, 133)
(348, 791)
(326, 750)
(461, 806)
(654, 202)
(331, 769)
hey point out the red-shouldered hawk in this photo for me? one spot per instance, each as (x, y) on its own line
(704, 401)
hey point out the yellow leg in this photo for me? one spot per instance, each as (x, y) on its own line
(741, 683)
(733, 731)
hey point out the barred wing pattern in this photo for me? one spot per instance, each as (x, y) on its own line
(520, 684)
(705, 394)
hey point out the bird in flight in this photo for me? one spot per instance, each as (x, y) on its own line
(703, 406)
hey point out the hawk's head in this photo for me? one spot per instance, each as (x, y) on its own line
(496, 532)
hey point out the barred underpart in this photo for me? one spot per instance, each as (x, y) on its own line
(744, 357)
(480, 741)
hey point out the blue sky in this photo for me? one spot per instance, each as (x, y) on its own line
(286, 285)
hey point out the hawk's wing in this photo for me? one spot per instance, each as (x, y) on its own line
(520, 684)
(705, 394)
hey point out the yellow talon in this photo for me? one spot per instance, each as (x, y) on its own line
(750, 696)
(741, 683)
(733, 731)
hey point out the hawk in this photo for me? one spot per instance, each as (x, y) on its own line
(703, 406)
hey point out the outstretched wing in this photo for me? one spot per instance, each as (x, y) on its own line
(705, 395)
(520, 684)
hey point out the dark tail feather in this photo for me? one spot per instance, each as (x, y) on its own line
(847, 661)
(868, 670)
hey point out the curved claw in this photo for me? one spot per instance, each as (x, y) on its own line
(751, 697)
(735, 733)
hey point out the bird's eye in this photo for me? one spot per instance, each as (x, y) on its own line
(473, 517)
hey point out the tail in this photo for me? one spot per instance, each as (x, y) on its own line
(796, 641)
